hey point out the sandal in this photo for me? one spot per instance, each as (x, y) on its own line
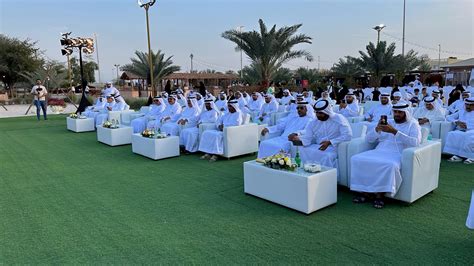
(359, 199)
(379, 204)
(469, 161)
(213, 158)
(455, 159)
(205, 157)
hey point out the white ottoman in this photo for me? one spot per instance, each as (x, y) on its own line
(115, 136)
(155, 148)
(299, 190)
(80, 124)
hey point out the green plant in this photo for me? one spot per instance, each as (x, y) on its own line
(136, 103)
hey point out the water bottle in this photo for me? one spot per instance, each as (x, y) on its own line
(297, 158)
(430, 137)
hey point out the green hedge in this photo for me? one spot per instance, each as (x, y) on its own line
(136, 103)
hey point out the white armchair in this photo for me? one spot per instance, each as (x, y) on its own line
(440, 130)
(420, 168)
(359, 131)
(117, 115)
(238, 140)
(277, 116)
(127, 117)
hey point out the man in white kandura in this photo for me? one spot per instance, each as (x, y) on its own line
(93, 111)
(378, 171)
(212, 141)
(274, 145)
(221, 103)
(189, 137)
(285, 101)
(458, 105)
(255, 105)
(268, 108)
(322, 136)
(429, 113)
(384, 108)
(169, 115)
(112, 105)
(397, 96)
(460, 142)
(156, 109)
(111, 90)
(187, 118)
(350, 106)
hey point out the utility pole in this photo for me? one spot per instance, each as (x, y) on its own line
(116, 67)
(403, 36)
(97, 55)
(191, 56)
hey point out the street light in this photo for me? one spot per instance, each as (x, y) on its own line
(379, 28)
(191, 56)
(241, 72)
(146, 5)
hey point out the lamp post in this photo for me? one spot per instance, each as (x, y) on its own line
(241, 72)
(146, 5)
(379, 28)
(116, 67)
(191, 56)
(403, 37)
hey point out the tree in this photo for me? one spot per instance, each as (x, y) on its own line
(88, 66)
(310, 74)
(378, 59)
(252, 74)
(347, 68)
(161, 67)
(405, 63)
(269, 49)
(17, 57)
(424, 63)
(282, 75)
(53, 74)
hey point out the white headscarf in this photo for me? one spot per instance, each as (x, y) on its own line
(324, 106)
(193, 111)
(405, 107)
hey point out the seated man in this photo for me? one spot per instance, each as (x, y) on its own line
(397, 96)
(286, 99)
(349, 107)
(268, 108)
(255, 105)
(429, 113)
(308, 97)
(274, 145)
(155, 111)
(384, 108)
(93, 111)
(458, 105)
(187, 118)
(378, 171)
(212, 141)
(170, 114)
(221, 103)
(111, 105)
(460, 142)
(189, 137)
(322, 136)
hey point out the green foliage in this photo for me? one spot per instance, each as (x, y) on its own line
(162, 67)
(53, 74)
(88, 66)
(16, 57)
(269, 49)
(136, 103)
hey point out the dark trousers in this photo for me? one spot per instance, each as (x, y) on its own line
(40, 105)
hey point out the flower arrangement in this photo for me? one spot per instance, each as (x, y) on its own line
(73, 116)
(279, 161)
(57, 102)
(147, 133)
(107, 124)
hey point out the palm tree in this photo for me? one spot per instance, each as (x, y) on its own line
(405, 63)
(269, 49)
(312, 75)
(378, 60)
(348, 69)
(161, 67)
(53, 74)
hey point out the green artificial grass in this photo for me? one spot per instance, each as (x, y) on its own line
(65, 198)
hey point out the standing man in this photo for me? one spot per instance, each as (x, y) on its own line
(39, 92)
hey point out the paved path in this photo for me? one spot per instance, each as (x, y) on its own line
(18, 110)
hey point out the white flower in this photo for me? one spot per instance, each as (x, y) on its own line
(274, 160)
(281, 162)
(288, 163)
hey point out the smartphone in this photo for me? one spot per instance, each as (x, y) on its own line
(383, 120)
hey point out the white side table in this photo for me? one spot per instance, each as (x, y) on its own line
(299, 190)
(115, 136)
(155, 148)
(80, 124)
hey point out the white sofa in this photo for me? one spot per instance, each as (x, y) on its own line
(440, 130)
(117, 115)
(277, 116)
(238, 140)
(359, 131)
(420, 168)
(127, 117)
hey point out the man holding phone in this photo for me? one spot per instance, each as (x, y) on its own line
(39, 93)
(384, 162)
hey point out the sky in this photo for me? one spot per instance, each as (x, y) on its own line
(182, 27)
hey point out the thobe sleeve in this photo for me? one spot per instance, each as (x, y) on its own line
(438, 116)
(412, 139)
(345, 134)
(372, 136)
(174, 117)
(452, 118)
(353, 111)
(307, 136)
(280, 127)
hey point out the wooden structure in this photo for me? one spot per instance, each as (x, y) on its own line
(459, 72)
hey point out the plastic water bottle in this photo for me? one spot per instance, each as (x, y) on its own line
(430, 137)
(297, 158)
